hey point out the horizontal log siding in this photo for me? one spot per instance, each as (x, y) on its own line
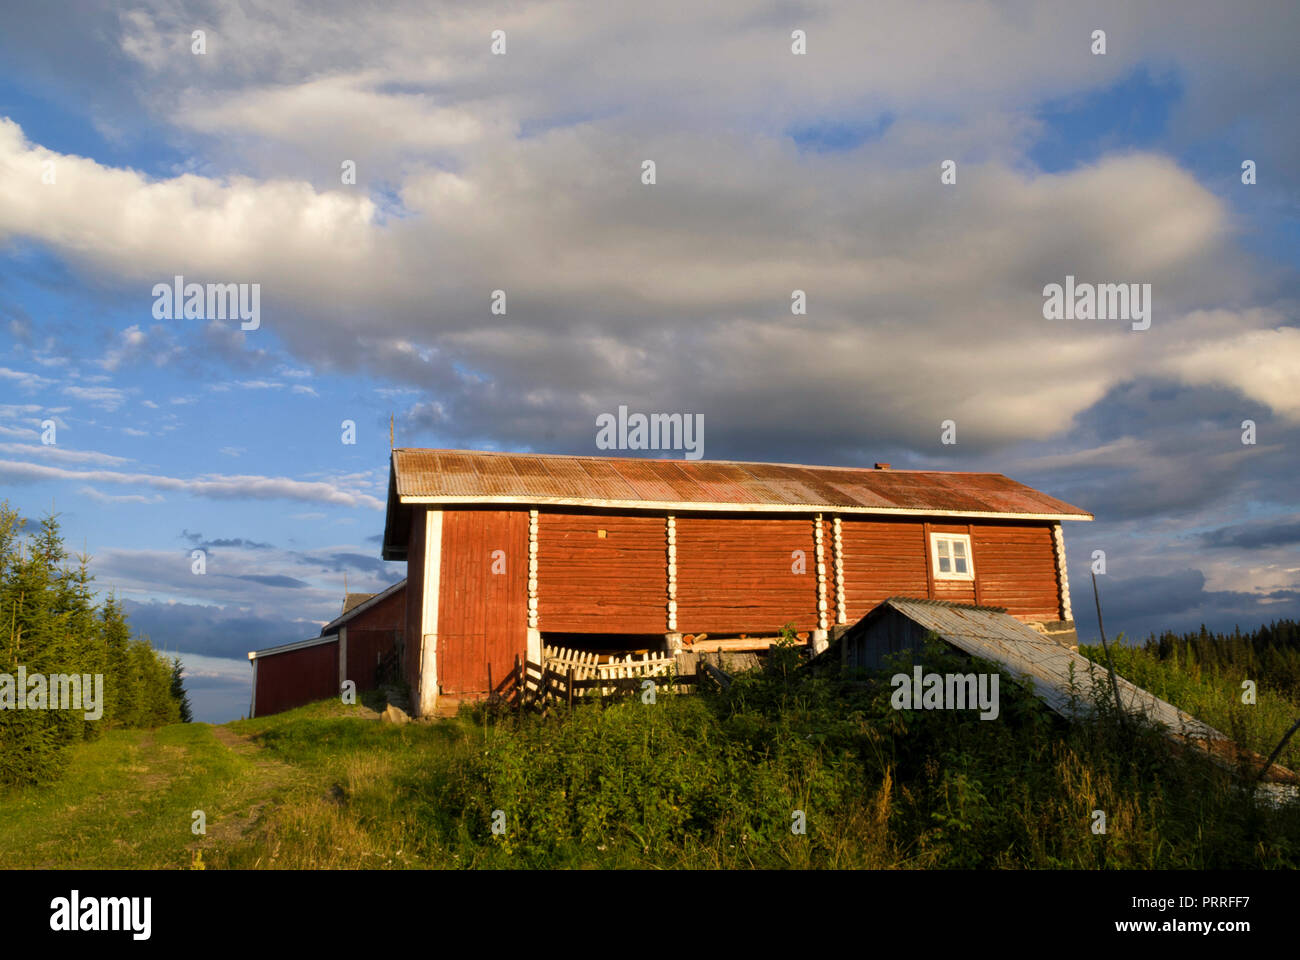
(882, 558)
(1016, 566)
(482, 616)
(734, 574)
(592, 584)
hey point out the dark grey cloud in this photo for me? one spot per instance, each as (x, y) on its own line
(1141, 605)
(272, 580)
(1254, 536)
(363, 562)
(211, 630)
(237, 542)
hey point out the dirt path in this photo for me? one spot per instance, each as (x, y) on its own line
(267, 775)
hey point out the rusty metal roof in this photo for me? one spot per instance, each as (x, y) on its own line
(469, 476)
(355, 599)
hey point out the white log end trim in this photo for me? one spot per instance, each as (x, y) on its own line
(1062, 573)
(533, 620)
(841, 608)
(821, 573)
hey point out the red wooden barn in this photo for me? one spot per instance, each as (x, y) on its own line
(506, 552)
(348, 648)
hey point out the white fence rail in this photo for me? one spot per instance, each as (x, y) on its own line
(588, 666)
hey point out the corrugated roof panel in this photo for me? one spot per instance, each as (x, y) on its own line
(457, 473)
(994, 635)
(498, 477)
(465, 475)
(783, 484)
(603, 481)
(719, 482)
(530, 473)
(647, 478)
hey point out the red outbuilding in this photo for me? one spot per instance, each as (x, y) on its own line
(350, 647)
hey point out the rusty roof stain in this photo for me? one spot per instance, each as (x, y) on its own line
(470, 476)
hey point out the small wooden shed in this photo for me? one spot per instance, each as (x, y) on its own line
(506, 552)
(349, 647)
(1067, 682)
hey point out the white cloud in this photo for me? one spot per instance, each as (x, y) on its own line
(106, 398)
(25, 380)
(100, 497)
(212, 486)
(58, 454)
(1263, 365)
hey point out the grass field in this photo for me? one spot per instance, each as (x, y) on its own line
(717, 781)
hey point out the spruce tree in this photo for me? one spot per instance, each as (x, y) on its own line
(178, 691)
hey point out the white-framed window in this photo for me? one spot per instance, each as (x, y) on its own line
(951, 557)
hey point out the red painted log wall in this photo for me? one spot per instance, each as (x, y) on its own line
(736, 574)
(592, 584)
(882, 558)
(1015, 565)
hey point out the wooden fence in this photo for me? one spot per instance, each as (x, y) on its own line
(566, 674)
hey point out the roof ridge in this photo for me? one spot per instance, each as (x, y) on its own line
(680, 460)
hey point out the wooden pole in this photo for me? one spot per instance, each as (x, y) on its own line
(1277, 751)
(570, 688)
(1110, 664)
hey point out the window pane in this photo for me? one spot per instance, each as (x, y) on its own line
(944, 566)
(943, 547)
(959, 548)
(961, 564)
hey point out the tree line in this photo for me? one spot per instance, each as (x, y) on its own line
(51, 625)
(1270, 653)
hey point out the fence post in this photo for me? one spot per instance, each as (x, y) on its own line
(570, 688)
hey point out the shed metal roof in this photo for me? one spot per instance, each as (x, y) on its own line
(481, 477)
(991, 634)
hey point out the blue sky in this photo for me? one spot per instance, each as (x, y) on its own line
(775, 172)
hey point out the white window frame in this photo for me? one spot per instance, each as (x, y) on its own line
(964, 538)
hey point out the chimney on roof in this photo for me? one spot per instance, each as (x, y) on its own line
(882, 466)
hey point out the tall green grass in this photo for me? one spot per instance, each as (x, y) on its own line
(1211, 690)
(718, 781)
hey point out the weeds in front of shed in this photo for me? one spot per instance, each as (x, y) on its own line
(717, 780)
